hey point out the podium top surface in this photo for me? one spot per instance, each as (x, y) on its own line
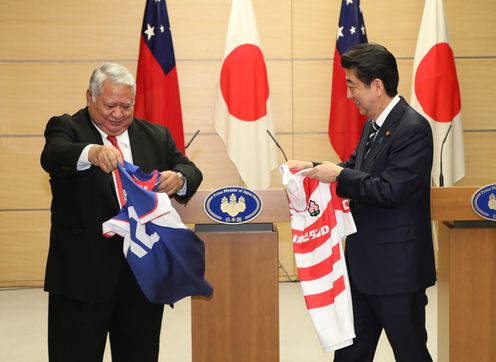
(447, 204)
(453, 203)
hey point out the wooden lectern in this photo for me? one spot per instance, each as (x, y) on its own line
(466, 278)
(240, 322)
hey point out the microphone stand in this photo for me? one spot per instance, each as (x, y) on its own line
(192, 138)
(441, 177)
(278, 145)
(286, 158)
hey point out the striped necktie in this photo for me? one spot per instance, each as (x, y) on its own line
(372, 134)
(117, 177)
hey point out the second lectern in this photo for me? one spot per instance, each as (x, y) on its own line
(466, 278)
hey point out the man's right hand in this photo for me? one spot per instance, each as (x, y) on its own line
(106, 157)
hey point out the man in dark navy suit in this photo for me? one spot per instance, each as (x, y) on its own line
(92, 290)
(387, 179)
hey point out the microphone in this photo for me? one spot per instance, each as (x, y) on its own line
(441, 177)
(192, 138)
(278, 145)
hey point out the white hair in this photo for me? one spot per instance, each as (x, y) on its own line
(117, 74)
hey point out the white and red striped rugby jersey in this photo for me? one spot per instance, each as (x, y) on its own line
(320, 220)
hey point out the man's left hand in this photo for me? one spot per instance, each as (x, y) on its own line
(170, 183)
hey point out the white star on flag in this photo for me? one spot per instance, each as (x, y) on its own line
(150, 31)
(340, 32)
(352, 30)
(349, 2)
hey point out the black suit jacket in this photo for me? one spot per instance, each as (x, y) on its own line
(389, 189)
(83, 264)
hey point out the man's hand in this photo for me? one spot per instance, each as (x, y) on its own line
(325, 172)
(298, 165)
(106, 157)
(170, 183)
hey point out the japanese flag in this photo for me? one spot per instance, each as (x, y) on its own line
(242, 113)
(436, 95)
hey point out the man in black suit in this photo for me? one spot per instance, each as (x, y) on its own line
(92, 291)
(387, 179)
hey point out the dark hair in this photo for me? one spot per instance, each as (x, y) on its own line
(373, 61)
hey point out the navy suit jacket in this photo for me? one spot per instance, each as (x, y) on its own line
(392, 251)
(83, 264)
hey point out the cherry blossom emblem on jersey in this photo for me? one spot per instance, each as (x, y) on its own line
(233, 205)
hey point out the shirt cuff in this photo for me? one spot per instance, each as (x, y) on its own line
(83, 162)
(183, 190)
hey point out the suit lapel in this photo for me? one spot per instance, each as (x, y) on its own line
(142, 155)
(385, 133)
(360, 152)
(136, 143)
(89, 132)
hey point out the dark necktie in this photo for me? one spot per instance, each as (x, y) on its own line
(372, 133)
(117, 177)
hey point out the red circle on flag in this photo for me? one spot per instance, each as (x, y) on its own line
(244, 84)
(436, 84)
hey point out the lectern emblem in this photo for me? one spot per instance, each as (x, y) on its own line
(484, 202)
(233, 205)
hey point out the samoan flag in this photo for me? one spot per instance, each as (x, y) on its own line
(157, 88)
(345, 122)
(167, 258)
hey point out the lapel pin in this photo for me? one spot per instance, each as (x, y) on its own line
(388, 133)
